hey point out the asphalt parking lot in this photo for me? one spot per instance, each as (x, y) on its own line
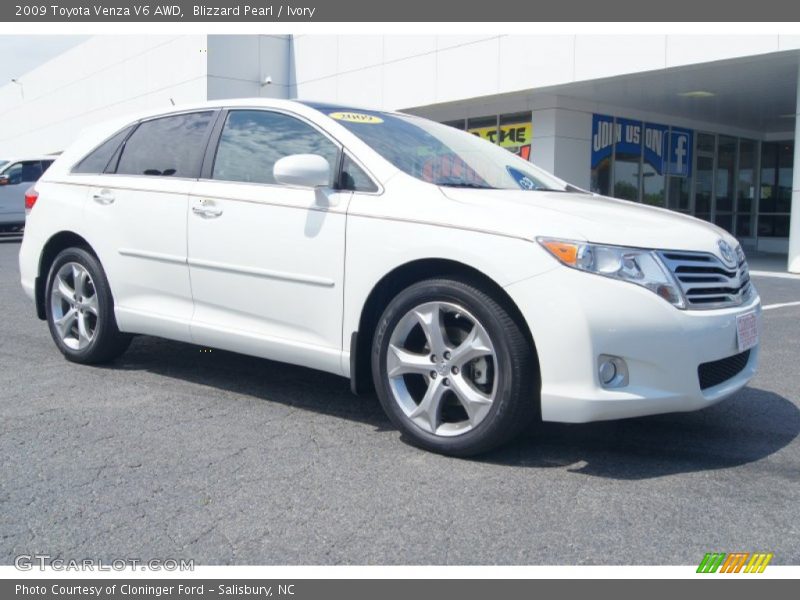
(172, 452)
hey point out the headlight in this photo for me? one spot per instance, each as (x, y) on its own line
(634, 265)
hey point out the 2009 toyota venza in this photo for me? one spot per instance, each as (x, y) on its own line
(472, 290)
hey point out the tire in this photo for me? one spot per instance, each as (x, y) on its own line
(80, 309)
(461, 393)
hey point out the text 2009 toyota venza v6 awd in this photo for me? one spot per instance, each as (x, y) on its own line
(474, 291)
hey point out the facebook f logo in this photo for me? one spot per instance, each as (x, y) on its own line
(680, 156)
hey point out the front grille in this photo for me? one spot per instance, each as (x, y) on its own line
(719, 371)
(707, 282)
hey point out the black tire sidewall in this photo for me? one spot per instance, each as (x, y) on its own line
(106, 330)
(494, 428)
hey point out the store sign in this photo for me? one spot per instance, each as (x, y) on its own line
(515, 137)
(629, 137)
(603, 138)
(655, 146)
(680, 152)
(667, 150)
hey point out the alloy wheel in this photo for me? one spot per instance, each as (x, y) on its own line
(442, 368)
(74, 306)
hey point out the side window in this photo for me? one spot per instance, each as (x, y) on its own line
(31, 171)
(252, 141)
(46, 165)
(14, 174)
(354, 178)
(97, 160)
(167, 146)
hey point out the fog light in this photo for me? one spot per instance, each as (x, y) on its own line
(612, 371)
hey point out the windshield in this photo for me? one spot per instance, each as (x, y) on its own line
(3, 164)
(440, 154)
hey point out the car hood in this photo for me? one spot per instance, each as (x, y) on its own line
(590, 217)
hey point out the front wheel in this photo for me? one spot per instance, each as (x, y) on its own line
(453, 369)
(80, 309)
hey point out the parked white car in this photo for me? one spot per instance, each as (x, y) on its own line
(16, 176)
(472, 290)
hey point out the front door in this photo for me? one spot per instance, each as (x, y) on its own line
(266, 261)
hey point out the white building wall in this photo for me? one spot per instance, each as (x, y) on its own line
(98, 79)
(397, 72)
(455, 77)
(238, 66)
(470, 75)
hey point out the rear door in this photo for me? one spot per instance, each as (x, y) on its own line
(16, 179)
(137, 212)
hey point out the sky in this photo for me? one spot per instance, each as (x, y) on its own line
(22, 53)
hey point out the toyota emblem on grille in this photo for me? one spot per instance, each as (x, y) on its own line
(727, 253)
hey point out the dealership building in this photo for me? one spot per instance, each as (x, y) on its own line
(704, 125)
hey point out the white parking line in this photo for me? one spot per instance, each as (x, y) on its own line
(780, 305)
(777, 274)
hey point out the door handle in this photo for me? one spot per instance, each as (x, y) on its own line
(104, 197)
(207, 212)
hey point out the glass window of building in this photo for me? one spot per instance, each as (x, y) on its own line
(515, 132)
(705, 143)
(627, 159)
(458, 124)
(746, 187)
(653, 164)
(679, 188)
(602, 144)
(776, 189)
(484, 127)
(725, 182)
(704, 176)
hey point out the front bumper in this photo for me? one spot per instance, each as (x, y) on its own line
(574, 317)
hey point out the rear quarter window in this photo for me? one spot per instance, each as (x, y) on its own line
(98, 159)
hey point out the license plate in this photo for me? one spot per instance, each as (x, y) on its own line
(747, 331)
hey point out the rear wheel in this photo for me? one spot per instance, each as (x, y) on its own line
(80, 309)
(453, 369)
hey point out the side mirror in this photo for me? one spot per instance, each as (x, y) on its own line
(305, 170)
(3, 180)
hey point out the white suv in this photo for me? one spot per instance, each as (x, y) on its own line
(473, 291)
